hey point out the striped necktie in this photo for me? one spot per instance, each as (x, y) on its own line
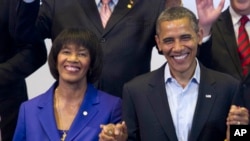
(105, 12)
(244, 46)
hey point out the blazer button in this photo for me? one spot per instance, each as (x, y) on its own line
(85, 113)
(103, 40)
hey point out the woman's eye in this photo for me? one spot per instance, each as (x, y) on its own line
(82, 54)
(66, 52)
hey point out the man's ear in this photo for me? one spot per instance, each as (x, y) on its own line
(157, 40)
(200, 36)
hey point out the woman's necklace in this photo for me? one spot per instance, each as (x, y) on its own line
(64, 136)
(71, 110)
(59, 115)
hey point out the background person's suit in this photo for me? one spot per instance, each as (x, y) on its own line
(245, 91)
(17, 61)
(220, 52)
(148, 117)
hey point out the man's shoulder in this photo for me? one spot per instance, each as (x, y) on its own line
(149, 77)
(220, 76)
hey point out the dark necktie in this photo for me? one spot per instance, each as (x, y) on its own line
(105, 12)
(244, 46)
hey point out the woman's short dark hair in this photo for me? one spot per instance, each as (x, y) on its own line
(79, 37)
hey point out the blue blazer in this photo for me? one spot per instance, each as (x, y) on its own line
(36, 121)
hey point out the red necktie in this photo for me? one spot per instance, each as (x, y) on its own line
(105, 12)
(244, 46)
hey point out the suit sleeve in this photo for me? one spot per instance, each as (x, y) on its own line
(20, 132)
(117, 112)
(129, 115)
(240, 98)
(27, 59)
(243, 98)
(33, 21)
(19, 59)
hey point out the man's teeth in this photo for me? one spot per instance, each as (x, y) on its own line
(180, 57)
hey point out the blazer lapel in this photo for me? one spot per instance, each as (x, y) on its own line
(46, 116)
(85, 114)
(226, 25)
(158, 100)
(206, 98)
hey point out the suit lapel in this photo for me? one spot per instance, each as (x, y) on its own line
(85, 114)
(90, 8)
(226, 25)
(206, 98)
(46, 116)
(158, 100)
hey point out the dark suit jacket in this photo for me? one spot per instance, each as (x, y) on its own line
(147, 114)
(127, 40)
(220, 53)
(245, 91)
(36, 121)
(17, 61)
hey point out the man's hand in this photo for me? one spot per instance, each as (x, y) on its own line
(113, 132)
(208, 14)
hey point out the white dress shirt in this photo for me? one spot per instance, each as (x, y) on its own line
(182, 101)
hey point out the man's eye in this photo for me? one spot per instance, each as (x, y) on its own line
(186, 38)
(168, 41)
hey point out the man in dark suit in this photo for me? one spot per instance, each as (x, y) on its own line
(220, 51)
(17, 61)
(127, 40)
(183, 100)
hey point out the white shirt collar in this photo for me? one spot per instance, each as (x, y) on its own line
(98, 2)
(196, 76)
(235, 17)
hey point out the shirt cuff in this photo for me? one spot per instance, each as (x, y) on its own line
(28, 1)
(205, 39)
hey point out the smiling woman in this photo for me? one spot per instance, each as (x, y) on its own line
(76, 45)
(72, 103)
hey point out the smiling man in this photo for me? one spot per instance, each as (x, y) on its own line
(182, 100)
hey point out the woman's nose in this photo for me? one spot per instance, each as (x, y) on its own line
(73, 58)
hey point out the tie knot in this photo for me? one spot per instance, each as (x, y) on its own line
(106, 1)
(243, 20)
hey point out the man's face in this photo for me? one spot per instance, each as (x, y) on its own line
(178, 42)
(241, 7)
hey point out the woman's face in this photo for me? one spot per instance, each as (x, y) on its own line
(73, 63)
